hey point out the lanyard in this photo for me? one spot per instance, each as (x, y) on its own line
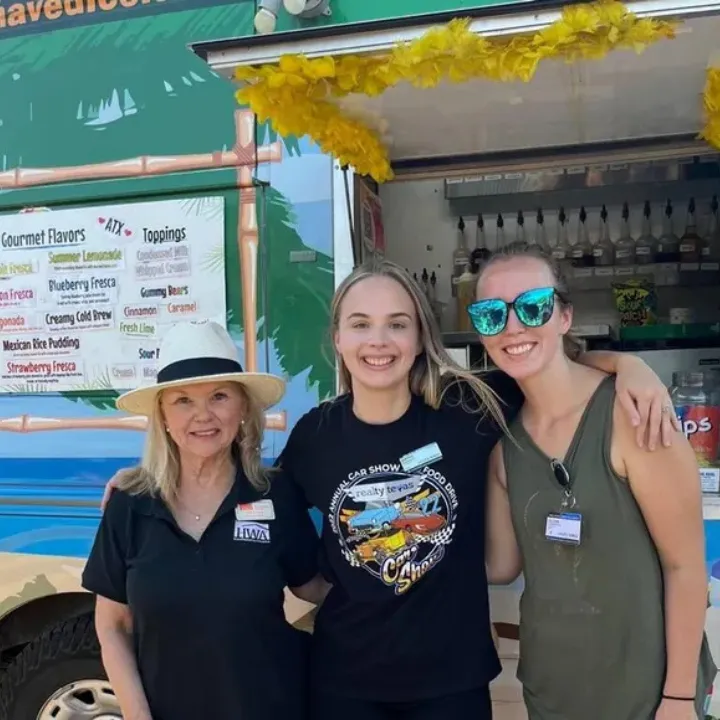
(563, 479)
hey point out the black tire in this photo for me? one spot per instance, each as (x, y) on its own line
(65, 653)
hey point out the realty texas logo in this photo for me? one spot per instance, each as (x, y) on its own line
(114, 226)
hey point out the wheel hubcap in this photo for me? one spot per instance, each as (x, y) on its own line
(82, 700)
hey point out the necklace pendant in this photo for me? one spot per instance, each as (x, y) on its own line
(197, 518)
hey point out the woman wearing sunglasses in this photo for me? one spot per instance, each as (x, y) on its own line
(609, 536)
(397, 466)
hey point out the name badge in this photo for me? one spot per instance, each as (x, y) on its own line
(564, 528)
(253, 532)
(421, 457)
(259, 510)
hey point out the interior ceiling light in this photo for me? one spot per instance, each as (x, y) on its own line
(266, 16)
(307, 8)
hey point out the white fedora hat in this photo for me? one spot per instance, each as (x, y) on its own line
(195, 352)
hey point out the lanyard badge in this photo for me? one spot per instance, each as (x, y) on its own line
(564, 526)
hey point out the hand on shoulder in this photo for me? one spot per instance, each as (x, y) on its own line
(628, 455)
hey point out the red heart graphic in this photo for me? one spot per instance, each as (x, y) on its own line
(128, 233)
(101, 220)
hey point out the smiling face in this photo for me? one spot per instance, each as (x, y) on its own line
(519, 350)
(203, 419)
(377, 334)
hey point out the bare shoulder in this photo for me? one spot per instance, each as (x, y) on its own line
(635, 463)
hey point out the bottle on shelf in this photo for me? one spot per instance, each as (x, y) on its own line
(562, 244)
(646, 244)
(481, 253)
(465, 295)
(460, 256)
(710, 247)
(582, 251)
(500, 235)
(520, 229)
(668, 243)
(625, 245)
(425, 282)
(540, 239)
(604, 250)
(434, 304)
(690, 242)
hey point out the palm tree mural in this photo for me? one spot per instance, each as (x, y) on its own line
(117, 90)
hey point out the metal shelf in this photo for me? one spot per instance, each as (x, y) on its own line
(577, 183)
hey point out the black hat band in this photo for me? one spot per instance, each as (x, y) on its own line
(197, 368)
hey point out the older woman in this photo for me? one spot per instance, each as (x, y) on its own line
(193, 555)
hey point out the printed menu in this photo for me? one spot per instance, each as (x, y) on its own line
(85, 293)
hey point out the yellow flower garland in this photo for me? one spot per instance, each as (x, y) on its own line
(711, 107)
(298, 94)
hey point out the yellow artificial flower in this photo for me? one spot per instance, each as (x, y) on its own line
(298, 95)
(711, 108)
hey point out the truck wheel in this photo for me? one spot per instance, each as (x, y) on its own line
(59, 675)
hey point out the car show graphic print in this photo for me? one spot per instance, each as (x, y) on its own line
(394, 524)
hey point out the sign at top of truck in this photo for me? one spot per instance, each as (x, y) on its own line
(33, 16)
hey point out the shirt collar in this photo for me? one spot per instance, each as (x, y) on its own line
(154, 506)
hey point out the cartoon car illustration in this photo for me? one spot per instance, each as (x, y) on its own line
(380, 548)
(373, 519)
(419, 514)
(419, 523)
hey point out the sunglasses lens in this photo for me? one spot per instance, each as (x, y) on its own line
(489, 317)
(535, 307)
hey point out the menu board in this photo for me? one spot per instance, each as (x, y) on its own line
(86, 293)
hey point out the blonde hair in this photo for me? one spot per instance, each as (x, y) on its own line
(434, 371)
(159, 471)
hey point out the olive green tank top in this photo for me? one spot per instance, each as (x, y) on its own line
(592, 631)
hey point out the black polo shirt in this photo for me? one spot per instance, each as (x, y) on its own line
(211, 639)
(404, 546)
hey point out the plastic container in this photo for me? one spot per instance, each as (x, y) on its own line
(465, 295)
(695, 398)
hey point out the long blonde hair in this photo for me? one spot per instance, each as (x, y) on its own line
(159, 471)
(434, 371)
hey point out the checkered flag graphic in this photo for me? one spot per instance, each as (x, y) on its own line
(442, 537)
(351, 558)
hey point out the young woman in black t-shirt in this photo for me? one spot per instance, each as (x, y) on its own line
(397, 464)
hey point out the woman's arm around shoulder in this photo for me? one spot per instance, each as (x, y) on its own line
(502, 555)
(300, 542)
(666, 486)
(641, 393)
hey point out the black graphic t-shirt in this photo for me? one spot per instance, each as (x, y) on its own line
(403, 544)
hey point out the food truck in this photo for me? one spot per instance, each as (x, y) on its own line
(134, 191)
(437, 130)
(592, 130)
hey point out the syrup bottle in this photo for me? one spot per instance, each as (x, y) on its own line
(646, 244)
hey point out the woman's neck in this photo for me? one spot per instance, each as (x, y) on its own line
(554, 390)
(380, 407)
(215, 472)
